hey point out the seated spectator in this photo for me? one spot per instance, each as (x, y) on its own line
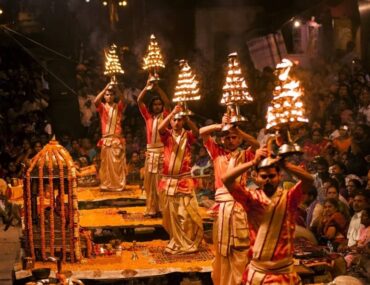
(360, 202)
(316, 146)
(76, 150)
(363, 239)
(332, 225)
(314, 208)
(133, 169)
(333, 193)
(87, 149)
(364, 108)
(343, 141)
(352, 186)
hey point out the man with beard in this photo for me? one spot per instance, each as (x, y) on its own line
(181, 218)
(158, 109)
(112, 172)
(322, 173)
(231, 235)
(271, 213)
(359, 150)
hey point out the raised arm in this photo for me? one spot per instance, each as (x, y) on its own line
(163, 126)
(140, 98)
(162, 94)
(301, 174)
(230, 176)
(248, 138)
(100, 96)
(206, 131)
(193, 127)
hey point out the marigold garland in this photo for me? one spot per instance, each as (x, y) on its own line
(53, 156)
(51, 186)
(42, 207)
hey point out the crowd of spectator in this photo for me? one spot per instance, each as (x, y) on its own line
(335, 142)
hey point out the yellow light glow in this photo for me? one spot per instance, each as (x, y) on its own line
(286, 106)
(187, 86)
(105, 3)
(235, 89)
(153, 58)
(112, 64)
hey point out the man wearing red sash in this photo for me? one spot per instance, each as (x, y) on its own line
(153, 116)
(271, 217)
(231, 234)
(112, 170)
(181, 218)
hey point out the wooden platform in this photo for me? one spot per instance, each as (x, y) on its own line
(93, 197)
(112, 218)
(151, 261)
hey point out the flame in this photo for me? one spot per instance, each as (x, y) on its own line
(235, 89)
(112, 64)
(286, 106)
(187, 88)
(153, 58)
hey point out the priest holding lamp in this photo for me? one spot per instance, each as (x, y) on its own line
(181, 218)
(112, 172)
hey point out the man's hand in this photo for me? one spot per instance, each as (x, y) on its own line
(261, 153)
(177, 109)
(226, 119)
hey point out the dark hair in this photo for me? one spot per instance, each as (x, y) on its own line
(319, 160)
(364, 194)
(357, 183)
(332, 201)
(367, 210)
(312, 192)
(154, 98)
(332, 182)
(341, 166)
(276, 166)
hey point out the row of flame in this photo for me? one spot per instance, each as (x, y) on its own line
(286, 106)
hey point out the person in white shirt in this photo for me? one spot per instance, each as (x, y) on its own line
(360, 202)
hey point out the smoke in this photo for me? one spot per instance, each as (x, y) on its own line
(94, 35)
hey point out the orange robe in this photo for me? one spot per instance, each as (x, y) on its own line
(112, 172)
(272, 233)
(181, 218)
(231, 234)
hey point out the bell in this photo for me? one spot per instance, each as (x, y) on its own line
(113, 80)
(134, 255)
(185, 111)
(226, 128)
(235, 117)
(268, 162)
(289, 149)
(154, 77)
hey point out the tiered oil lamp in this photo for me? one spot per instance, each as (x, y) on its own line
(186, 89)
(112, 64)
(286, 110)
(153, 60)
(235, 91)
